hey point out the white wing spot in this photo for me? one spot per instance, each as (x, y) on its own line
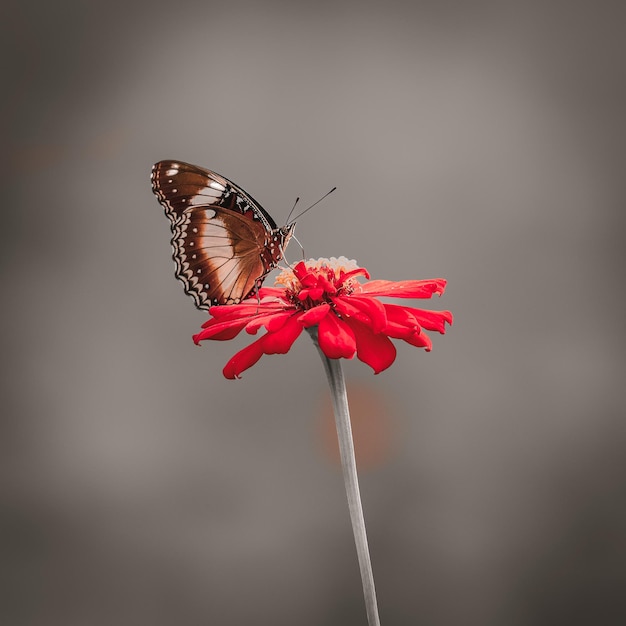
(191, 243)
(172, 172)
(195, 230)
(209, 213)
(174, 190)
(199, 271)
(193, 256)
(217, 185)
(206, 285)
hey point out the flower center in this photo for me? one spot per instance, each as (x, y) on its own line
(315, 281)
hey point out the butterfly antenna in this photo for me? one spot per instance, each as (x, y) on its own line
(292, 209)
(305, 210)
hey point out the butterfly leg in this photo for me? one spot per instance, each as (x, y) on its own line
(282, 252)
(257, 286)
(301, 246)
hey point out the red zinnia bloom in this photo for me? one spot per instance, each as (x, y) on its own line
(350, 318)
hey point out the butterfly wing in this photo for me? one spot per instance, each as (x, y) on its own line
(179, 186)
(220, 233)
(217, 255)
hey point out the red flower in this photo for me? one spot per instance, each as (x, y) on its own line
(350, 318)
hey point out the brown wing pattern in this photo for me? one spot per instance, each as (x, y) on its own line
(179, 186)
(221, 235)
(217, 255)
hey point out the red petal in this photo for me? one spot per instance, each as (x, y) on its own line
(314, 315)
(224, 335)
(278, 321)
(243, 310)
(400, 332)
(234, 310)
(302, 273)
(244, 359)
(271, 321)
(300, 270)
(430, 320)
(315, 293)
(214, 329)
(405, 288)
(421, 340)
(434, 320)
(364, 309)
(336, 338)
(401, 323)
(277, 342)
(324, 284)
(271, 292)
(280, 342)
(375, 349)
(359, 271)
(344, 307)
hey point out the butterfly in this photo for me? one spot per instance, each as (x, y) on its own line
(225, 243)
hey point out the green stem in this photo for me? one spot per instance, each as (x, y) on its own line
(339, 395)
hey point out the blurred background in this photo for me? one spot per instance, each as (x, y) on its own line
(482, 142)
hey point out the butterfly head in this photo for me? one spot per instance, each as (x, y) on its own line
(285, 233)
(275, 247)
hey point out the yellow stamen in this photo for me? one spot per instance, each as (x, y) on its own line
(337, 266)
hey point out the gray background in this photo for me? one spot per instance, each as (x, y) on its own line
(479, 141)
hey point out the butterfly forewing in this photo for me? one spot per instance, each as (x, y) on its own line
(179, 186)
(224, 241)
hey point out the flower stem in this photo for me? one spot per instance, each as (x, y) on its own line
(334, 372)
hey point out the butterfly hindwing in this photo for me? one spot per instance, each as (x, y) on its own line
(217, 255)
